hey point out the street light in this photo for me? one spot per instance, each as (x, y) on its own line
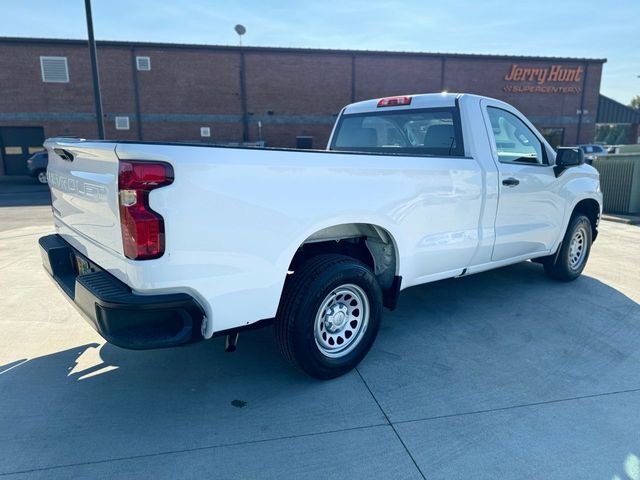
(240, 30)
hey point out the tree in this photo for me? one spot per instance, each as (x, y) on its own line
(635, 102)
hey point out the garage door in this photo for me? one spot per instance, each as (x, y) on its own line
(17, 144)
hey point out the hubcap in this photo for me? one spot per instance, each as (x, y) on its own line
(577, 248)
(42, 177)
(341, 320)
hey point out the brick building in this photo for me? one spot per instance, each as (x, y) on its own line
(217, 94)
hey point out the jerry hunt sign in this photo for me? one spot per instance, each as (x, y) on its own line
(540, 76)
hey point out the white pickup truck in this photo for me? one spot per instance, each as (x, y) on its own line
(166, 244)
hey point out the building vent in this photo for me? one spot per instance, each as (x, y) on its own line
(122, 123)
(54, 69)
(143, 63)
(205, 131)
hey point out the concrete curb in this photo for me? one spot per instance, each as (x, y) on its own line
(626, 219)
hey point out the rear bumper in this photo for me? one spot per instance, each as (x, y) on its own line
(122, 317)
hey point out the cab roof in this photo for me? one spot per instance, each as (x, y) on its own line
(425, 100)
(422, 100)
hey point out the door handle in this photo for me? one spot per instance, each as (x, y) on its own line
(510, 182)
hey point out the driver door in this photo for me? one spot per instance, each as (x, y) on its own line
(530, 211)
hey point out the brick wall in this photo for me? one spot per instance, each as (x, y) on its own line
(290, 92)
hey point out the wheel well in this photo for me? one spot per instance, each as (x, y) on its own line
(590, 208)
(370, 244)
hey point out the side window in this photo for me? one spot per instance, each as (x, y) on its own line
(515, 142)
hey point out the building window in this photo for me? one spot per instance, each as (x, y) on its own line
(143, 63)
(13, 150)
(205, 131)
(122, 123)
(54, 69)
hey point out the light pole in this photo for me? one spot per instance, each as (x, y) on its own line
(94, 70)
(240, 30)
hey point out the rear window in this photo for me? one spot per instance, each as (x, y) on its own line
(418, 132)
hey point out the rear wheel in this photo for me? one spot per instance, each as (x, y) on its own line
(574, 252)
(329, 315)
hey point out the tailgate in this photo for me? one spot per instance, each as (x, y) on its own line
(83, 178)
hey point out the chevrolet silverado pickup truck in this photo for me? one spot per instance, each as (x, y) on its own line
(160, 245)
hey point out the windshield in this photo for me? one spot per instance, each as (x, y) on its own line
(420, 132)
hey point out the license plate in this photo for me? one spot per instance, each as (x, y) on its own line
(82, 266)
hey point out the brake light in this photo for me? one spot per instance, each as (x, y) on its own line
(142, 228)
(394, 101)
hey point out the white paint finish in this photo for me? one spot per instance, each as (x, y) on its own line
(235, 217)
(245, 238)
(530, 214)
(84, 192)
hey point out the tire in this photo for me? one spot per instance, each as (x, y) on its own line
(574, 251)
(326, 298)
(41, 177)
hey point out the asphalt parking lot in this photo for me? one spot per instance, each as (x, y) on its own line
(504, 374)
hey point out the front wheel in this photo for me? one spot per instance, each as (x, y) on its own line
(329, 315)
(574, 252)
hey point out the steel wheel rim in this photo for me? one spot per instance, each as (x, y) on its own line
(341, 320)
(42, 177)
(578, 248)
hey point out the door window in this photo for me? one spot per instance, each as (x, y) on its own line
(515, 142)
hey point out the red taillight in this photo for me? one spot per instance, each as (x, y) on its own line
(394, 101)
(142, 228)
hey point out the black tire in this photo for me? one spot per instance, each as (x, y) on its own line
(305, 292)
(565, 268)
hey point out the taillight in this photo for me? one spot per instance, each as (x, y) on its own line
(142, 228)
(394, 101)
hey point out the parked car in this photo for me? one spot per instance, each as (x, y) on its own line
(162, 244)
(37, 166)
(593, 149)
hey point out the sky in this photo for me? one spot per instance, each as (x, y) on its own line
(566, 28)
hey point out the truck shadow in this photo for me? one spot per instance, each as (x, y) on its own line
(583, 334)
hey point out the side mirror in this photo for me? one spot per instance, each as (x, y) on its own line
(568, 157)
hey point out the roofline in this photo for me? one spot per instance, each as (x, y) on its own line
(129, 44)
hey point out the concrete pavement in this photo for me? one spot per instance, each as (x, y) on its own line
(504, 374)
(21, 199)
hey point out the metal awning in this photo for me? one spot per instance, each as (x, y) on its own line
(610, 111)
